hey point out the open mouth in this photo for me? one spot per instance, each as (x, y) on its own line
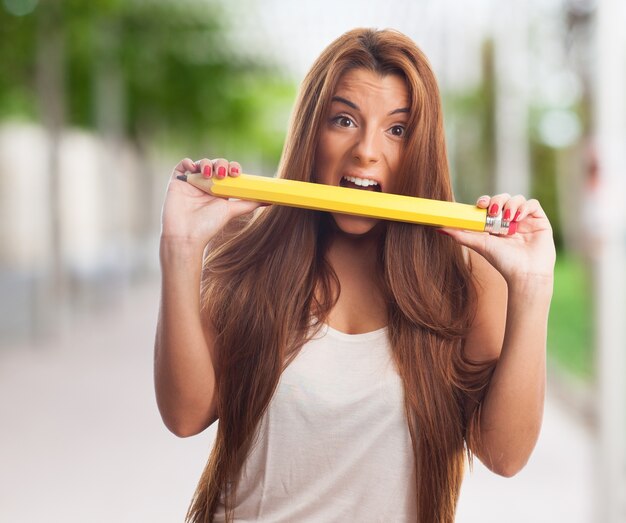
(364, 184)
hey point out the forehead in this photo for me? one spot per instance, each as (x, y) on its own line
(365, 87)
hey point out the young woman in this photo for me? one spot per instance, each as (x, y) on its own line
(351, 362)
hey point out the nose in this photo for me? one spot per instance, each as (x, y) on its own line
(367, 148)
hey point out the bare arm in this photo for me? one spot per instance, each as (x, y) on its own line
(184, 373)
(183, 364)
(514, 276)
(511, 325)
(513, 407)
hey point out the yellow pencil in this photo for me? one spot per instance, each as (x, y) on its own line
(350, 201)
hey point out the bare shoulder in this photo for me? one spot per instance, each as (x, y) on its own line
(484, 340)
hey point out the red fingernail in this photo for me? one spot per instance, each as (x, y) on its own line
(516, 216)
(512, 228)
(443, 232)
(493, 209)
(234, 170)
(507, 215)
(206, 171)
(221, 172)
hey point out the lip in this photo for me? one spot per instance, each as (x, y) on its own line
(365, 177)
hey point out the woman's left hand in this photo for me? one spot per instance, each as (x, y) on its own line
(527, 252)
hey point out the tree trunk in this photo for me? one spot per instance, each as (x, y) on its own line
(50, 78)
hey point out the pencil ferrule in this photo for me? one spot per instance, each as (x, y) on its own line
(496, 225)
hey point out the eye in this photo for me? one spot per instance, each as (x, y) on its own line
(397, 130)
(343, 121)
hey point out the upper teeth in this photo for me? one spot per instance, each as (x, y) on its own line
(364, 182)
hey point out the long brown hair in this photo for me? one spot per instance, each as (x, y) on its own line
(266, 278)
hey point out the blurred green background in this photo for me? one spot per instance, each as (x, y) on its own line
(167, 79)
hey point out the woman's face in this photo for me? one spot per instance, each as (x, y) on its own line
(362, 138)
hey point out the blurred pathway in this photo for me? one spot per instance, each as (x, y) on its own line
(556, 486)
(82, 440)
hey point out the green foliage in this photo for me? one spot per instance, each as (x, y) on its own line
(17, 66)
(473, 143)
(157, 68)
(570, 333)
(544, 184)
(263, 103)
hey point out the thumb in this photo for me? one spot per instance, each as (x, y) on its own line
(240, 207)
(476, 241)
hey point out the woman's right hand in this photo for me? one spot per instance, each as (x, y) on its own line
(194, 216)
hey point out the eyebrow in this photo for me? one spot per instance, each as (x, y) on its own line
(356, 107)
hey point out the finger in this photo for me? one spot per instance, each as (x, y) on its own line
(530, 208)
(220, 167)
(473, 240)
(483, 201)
(497, 203)
(195, 168)
(185, 165)
(240, 207)
(510, 210)
(234, 169)
(205, 167)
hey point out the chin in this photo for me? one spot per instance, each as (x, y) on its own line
(354, 225)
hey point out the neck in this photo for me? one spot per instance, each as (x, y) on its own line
(356, 258)
(360, 306)
(355, 252)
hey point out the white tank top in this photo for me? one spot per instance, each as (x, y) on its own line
(334, 444)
